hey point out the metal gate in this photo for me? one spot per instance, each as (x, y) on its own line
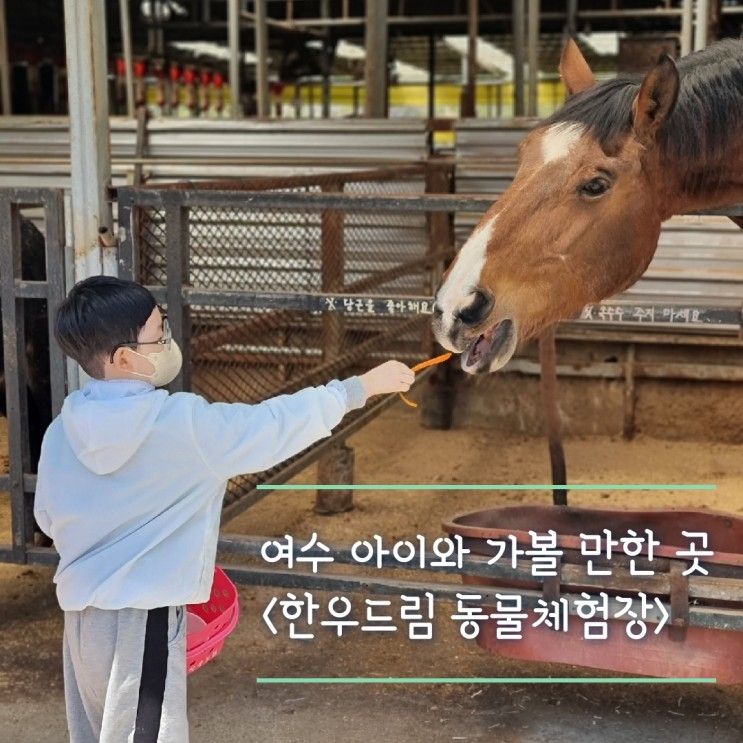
(32, 280)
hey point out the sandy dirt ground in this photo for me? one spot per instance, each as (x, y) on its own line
(226, 705)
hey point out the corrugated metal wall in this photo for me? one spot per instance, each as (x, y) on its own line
(35, 151)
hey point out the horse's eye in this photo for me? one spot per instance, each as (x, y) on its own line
(595, 187)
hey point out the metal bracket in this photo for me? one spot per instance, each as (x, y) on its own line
(551, 584)
(679, 602)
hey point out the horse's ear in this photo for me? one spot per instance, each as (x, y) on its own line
(574, 70)
(656, 99)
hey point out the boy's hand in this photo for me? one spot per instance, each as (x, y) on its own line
(392, 376)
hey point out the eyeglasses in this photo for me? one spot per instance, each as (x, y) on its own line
(164, 341)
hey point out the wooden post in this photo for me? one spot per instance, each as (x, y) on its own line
(438, 394)
(177, 262)
(701, 28)
(335, 467)
(126, 42)
(376, 59)
(326, 57)
(431, 77)
(4, 61)
(297, 99)
(518, 57)
(55, 279)
(261, 63)
(714, 19)
(548, 361)
(571, 27)
(629, 394)
(687, 26)
(233, 34)
(332, 269)
(140, 146)
(469, 107)
(533, 34)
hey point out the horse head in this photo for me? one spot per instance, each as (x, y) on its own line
(579, 223)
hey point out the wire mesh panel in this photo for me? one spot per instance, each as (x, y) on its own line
(247, 353)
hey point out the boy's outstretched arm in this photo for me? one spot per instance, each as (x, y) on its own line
(235, 438)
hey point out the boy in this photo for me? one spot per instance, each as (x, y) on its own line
(130, 487)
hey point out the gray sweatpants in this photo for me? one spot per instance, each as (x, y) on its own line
(125, 675)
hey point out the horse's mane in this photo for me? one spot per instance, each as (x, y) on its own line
(708, 111)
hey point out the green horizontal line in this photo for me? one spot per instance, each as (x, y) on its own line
(485, 680)
(577, 486)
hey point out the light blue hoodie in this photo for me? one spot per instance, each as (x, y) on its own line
(131, 480)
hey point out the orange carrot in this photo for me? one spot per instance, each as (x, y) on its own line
(432, 362)
(424, 365)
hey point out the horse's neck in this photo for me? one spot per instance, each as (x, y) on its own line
(690, 187)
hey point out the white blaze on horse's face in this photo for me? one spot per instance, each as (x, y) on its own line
(463, 311)
(559, 140)
(457, 292)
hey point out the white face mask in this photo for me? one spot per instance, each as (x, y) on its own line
(167, 364)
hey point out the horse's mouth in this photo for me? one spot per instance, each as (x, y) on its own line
(491, 350)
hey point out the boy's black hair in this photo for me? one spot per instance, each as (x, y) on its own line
(99, 313)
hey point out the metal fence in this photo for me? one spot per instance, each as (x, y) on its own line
(269, 287)
(31, 281)
(273, 284)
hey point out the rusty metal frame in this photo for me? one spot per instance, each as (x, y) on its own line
(324, 196)
(724, 583)
(320, 180)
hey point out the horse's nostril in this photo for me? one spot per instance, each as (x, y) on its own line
(477, 311)
(437, 311)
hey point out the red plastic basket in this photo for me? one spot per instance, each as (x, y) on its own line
(211, 622)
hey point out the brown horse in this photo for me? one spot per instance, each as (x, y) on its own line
(581, 220)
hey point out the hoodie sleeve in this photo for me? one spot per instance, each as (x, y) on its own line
(236, 439)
